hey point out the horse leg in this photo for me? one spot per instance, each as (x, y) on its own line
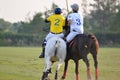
(95, 65)
(88, 67)
(76, 70)
(65, 70)
(94, 51)
(48, 64)
(57, 69)
(44, 76)
(56, 75)
(48, 69)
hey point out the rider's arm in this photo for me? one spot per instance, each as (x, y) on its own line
(46, 21)
(69, 22)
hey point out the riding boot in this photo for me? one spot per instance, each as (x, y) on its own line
(43, 53)
(43, 49)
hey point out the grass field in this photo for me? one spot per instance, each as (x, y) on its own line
(22, 63)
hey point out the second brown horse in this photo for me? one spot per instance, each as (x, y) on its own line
(78, 49)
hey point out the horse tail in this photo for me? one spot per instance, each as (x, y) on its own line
(56, 46)
(57, 43)
(93, 37)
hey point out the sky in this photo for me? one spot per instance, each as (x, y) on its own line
(18, 10)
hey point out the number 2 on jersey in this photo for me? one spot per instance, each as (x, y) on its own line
(57, 22)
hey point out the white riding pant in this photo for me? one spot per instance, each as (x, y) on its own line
(50, 35)
(71, 35)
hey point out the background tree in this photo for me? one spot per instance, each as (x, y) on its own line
(35, 26)
(101, 17)
(115, 27)
(103, 21)
(4, 25)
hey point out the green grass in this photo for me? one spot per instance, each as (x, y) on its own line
(22, 63)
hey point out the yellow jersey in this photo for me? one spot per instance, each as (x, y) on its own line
(57, 22)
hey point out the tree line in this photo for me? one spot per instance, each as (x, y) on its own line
(103, 21)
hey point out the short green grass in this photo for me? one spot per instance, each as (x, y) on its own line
(22, 63)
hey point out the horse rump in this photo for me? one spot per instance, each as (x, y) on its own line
(55, 50)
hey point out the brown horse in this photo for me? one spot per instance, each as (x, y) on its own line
(78, 49)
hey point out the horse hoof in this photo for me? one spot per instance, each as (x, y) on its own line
(62, 78)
